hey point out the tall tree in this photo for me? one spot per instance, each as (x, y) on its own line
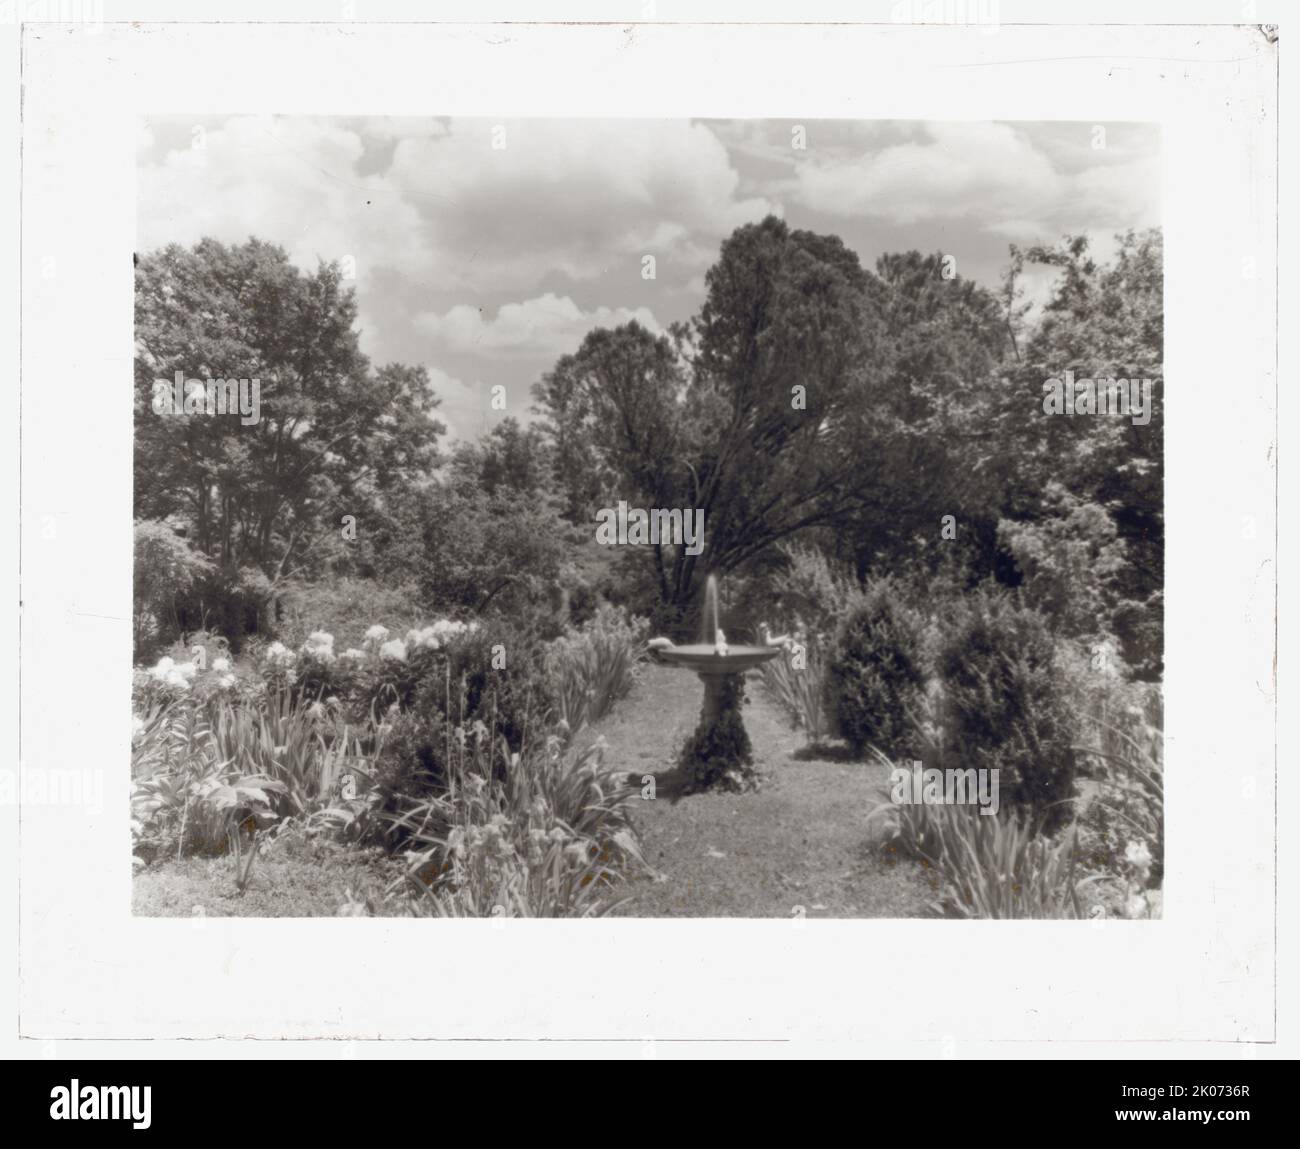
(1102, 321)
(921, 438)
(332, 435)
(745, 414)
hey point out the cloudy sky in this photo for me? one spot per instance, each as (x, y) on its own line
(486, 263)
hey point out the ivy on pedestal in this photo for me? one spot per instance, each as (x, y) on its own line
(719, 754)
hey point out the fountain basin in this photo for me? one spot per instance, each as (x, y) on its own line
(705, 659)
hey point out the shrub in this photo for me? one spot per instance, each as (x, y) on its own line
(670, 619)
(1070, 560)
(583, 602)
(1077, 572)
(208, 681)
(497, 677)
(491, 553)
(233, 601)
(533, 833)
(876, 673)
(343, 607)
(592, 668)
(440, 688)
(1006, 705)
(166, 570)
(411, 761)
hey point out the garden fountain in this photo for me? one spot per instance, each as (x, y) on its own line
(719, 751)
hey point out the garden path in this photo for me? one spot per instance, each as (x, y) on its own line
(801, 840)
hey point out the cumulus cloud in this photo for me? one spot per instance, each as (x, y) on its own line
(552, 200)
(547, 325)
(960, 170)
(1127, 192)
(475, 256)
(292, 181)
(432, 200)
(990, 173)
(463, 407)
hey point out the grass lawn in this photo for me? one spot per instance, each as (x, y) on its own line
(801, 840)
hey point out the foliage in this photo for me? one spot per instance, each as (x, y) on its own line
(921, 446)
(1069, 560)
(1102, 321)
(345, 607)
(165, 570)
(876, 673)
(235, 601)
(188, 796)
(331, 436)
(496, 552)
(411, 758)
(207, 759)
(1108, 862)
(798, 684)
(509, 459)
(1127, 808)
(294, 744)
(540, 832)
(718, 755)
(592, 668)
(991, 866)
(1006, 706)
(612, 418)
(823, 418)
(706, 417)
(807, 592)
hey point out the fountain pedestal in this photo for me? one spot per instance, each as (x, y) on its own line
(713, 706)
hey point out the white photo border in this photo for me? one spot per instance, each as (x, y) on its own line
(1206, 973)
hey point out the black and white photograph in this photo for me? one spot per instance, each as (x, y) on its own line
(646, 533)
(664, 518)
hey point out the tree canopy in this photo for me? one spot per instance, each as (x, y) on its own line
(810, 398)
(334, 435)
